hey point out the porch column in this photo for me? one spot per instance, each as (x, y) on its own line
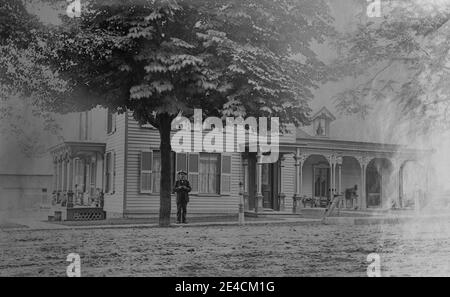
(281, 194)
(400, 187)
(62, 175)
(70, 176)
(55, 175)
(331, 160)
(246, 180)
(362, 202)
(259, 195)
(67, 166)
(58, 174)
(298, 180)
(339, 162)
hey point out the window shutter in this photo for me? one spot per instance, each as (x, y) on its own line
(114, 120)
(146, 172)
(225, 182)
(108, 121)
(114, 172)
(107, 173)
(193, 172)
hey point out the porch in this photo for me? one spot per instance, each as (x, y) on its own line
(371, 177)
(78, 181)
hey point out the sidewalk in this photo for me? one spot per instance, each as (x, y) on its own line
(35, 225)
(347, 218)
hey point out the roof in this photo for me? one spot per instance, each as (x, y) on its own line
(324, 112)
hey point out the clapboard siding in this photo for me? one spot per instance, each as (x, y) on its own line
(116, 143)
(141, 139)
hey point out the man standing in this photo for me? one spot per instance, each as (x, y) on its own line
(182, 188)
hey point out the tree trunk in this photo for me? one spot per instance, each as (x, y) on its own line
(165, 183)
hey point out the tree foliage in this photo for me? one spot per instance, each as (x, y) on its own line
(227, 57)
(412, 36)
(26, 79)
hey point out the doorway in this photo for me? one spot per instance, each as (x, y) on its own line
(321, 181)
(270, 186)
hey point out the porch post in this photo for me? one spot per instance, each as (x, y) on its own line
(339, 162)
(70, 175)
(246, 180)
(331, 160)
(67, 161)
(400, 187)
(259, 195)
(58, 174)
(281, 195)
(298, 181)
(63, 174)
(55, 175)
(363, 200)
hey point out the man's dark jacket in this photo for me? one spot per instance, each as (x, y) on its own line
(182, 188)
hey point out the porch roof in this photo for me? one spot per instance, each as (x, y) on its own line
(74, 148)
(344, 146)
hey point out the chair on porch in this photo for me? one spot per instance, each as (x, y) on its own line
(308, 200)
(322, 201)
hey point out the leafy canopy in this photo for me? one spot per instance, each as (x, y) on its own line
(411, 40)
(228, 57)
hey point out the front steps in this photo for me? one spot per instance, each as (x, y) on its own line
(315, 213)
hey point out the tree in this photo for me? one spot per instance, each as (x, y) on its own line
(160, 58)
(25, 80)
(411, 36)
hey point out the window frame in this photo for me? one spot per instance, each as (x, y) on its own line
(147, 171)
(218, 173)
(110, 173)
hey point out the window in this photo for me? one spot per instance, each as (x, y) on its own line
(110, 172)
(321, 126)
(182, 162)
(193, 172)
(321, 181)
(151, 171)
(146, 172)
(209, 174)
(205, 173)
(111, 122)
(79, 175)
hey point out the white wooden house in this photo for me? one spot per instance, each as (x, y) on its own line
(124, 164)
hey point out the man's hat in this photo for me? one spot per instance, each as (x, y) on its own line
(182, 172)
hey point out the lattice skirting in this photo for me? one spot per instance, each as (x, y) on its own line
(85, 214)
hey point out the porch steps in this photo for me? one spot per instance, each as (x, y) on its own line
(316, 213)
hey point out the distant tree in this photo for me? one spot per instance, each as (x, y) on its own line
(160, 58)
(412, 36)
(26, 79)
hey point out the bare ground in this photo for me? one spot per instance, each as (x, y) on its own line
(311, 250)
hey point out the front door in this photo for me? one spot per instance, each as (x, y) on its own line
(269, 184)
(321, 182)
(374, 188)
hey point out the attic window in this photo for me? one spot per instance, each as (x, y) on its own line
(321, 122)
(321, 128)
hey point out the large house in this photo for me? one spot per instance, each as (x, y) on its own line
(113, 157)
